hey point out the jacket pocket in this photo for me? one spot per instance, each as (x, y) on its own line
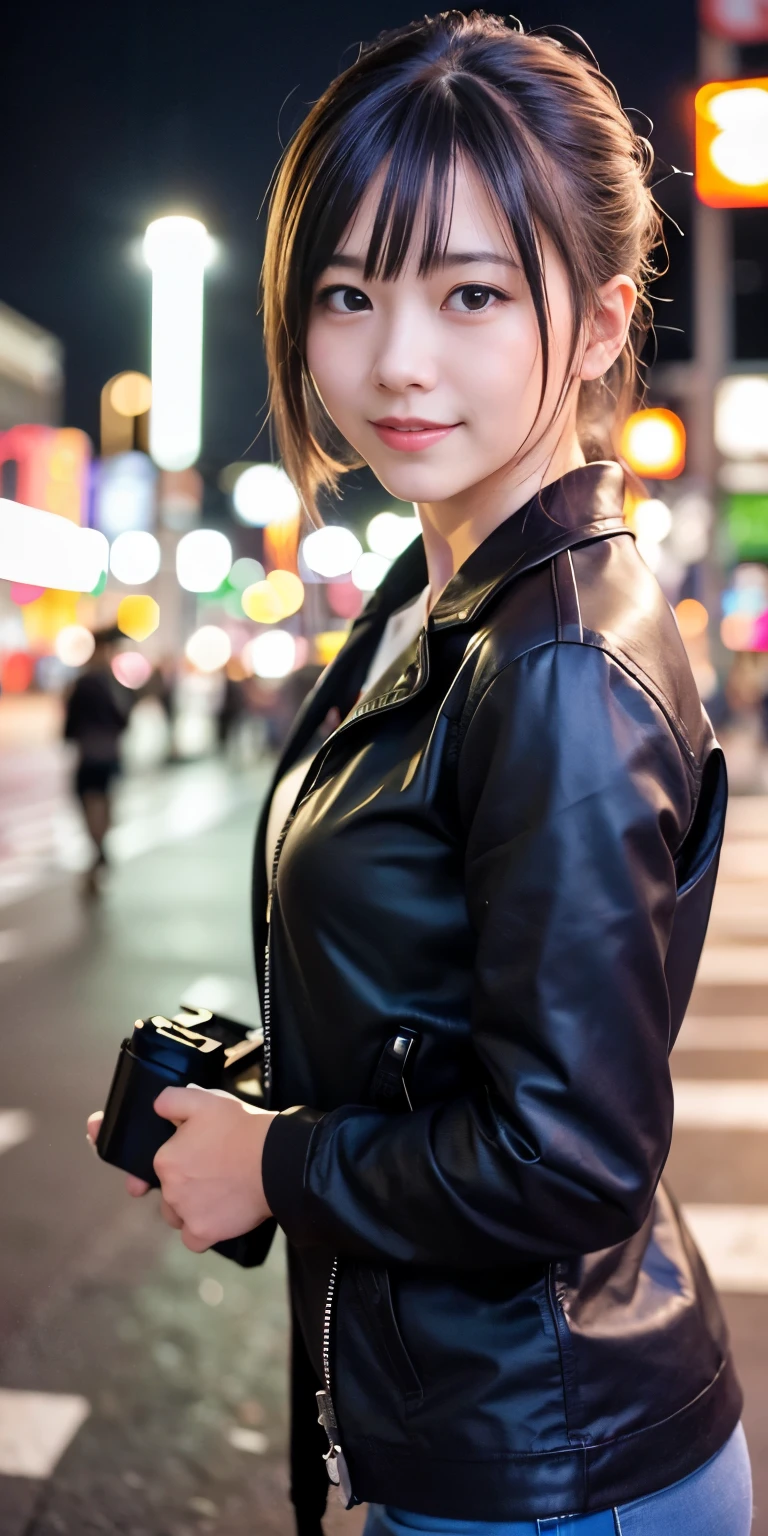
(375, 1290)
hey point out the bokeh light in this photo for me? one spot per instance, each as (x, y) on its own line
(134, 558)
(177, 250)
(131, 669)
(344, 599)
(270, 655)
(74, 645)
(203, 559)
(245, 572)
(328, 643)
(389, 533)
(262, 603)
(263, 494)
(741, 416)
(692, 618)
(370, 571)
(22, 593)
(209, 648)
(138, 616)
(131, 394)
(290, 590)
(653, 443)
(331, 551)
(16, 672)
(652, 520)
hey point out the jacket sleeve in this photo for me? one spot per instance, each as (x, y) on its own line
(574, 798)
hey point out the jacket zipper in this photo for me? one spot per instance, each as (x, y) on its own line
(335, 1461)
(334, 1458)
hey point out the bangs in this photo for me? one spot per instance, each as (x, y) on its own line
(418, 134)
(418, 140)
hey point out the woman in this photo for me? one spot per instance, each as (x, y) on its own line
(482, 898)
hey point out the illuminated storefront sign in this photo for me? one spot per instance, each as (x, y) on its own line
(47, 467)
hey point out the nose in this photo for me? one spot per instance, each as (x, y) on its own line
(405, 359)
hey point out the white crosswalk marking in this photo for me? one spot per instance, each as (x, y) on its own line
(722, 1105)
(36, 1429)
(16, 1125)
(721, 1034)
(733, 1241)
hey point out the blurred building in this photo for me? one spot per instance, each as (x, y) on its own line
(31, 372)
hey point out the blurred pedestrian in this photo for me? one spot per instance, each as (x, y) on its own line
(482, 902)
(96, 716)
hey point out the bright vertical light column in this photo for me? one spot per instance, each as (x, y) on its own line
(176, 249)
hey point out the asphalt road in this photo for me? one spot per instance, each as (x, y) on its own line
(142, 1387)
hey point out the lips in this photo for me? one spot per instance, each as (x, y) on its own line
(408, 434)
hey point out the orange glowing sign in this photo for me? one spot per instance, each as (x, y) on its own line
(52, 468)
(732, 143)
(653, 444)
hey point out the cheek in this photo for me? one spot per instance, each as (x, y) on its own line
(334, 365)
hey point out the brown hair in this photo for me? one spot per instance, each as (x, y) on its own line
(547, 134)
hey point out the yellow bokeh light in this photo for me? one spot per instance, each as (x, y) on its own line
(290, 590)
(131, 394)
(138, 616)
(262, 603)
(692, 618)
(653, 444)
(328, 643)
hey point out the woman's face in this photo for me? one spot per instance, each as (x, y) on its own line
(435, 380)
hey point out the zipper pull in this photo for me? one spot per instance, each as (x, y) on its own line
(269, 904)
(334, 1458)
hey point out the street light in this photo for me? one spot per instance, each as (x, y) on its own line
(732, 143)
(177, 251)
(653, 444)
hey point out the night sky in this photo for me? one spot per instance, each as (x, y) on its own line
(112, 115)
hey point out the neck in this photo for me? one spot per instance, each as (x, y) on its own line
(452, 529)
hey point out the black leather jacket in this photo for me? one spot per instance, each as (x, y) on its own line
(499, 869)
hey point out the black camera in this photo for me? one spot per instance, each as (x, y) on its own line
(195, 1046)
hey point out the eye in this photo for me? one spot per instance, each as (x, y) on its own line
(344, 301)
(473, 298)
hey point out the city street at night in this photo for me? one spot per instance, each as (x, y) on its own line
(384, 421)
(161, 1374)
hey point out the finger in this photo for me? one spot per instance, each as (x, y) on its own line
(170, 1215)
(94, 1124)
(194, 1244)
(177, 1104)
(136, 1187)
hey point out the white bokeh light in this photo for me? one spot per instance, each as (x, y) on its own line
(203, 559)
(652, 520)
(74, 645)
(332, 551)
(209, 648)
(741, 416)
(388, 533)
(263, 494)
(177, 250)
(270, 655)
(370, 571)
(134, 558)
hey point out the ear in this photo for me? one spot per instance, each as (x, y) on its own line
(608, 330)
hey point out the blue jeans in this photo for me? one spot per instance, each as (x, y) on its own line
(715, 1500)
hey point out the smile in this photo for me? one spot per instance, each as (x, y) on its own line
(408, 434)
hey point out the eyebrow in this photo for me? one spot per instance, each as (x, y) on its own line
(450, 259)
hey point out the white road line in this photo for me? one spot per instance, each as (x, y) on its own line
(35, 1430)
(723, 1034)
(721, 1105)
(16, 1125)
(747, 860)
(733, 965)
(733, 1240)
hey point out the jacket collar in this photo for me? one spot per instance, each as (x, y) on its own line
(583, 504)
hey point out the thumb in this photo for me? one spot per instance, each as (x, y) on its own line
(177, 1104)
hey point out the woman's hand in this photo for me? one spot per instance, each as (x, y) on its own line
(210, 1170)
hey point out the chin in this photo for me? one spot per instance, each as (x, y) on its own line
(413, 482)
